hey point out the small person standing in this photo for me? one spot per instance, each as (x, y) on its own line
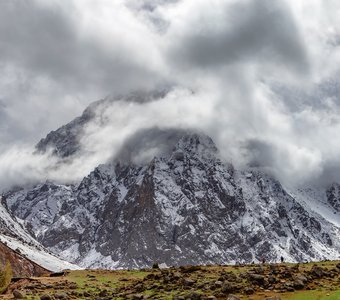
(282, 259)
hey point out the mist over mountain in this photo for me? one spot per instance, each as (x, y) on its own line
(130, 129)
(164, 189)
(256, 77)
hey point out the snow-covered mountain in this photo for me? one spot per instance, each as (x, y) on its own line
(183, 205)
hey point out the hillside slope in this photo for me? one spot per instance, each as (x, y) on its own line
(21, 266)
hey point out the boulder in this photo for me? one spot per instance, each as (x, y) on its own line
(194, 296)
(301, 277)
(62, 296)
(317, 272)
(298, 284)
(272, 279)
(177, 297)
(295, 268)
(188, 282)
(248, 290)
(227, 287)
(18, 294)
(231, 277)
(103, 293)
(73, 286)
(232, 297)
(155, 266)
(256, 278)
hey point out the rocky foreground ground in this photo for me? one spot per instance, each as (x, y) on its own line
(266, 281)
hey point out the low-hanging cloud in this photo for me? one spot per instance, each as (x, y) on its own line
(260, 77)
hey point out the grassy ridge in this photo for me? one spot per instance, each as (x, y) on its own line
(287, 281)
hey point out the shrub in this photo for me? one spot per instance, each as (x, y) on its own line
(5, 277)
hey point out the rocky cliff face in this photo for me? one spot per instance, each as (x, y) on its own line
(185, 206)
(333, 196)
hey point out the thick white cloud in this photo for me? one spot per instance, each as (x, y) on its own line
(264, 75)
(58, 57)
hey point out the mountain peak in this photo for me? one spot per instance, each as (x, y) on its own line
(149, 143)
(65, 141)
(196, 144)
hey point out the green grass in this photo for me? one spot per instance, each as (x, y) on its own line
(104, 279)
(312, 295)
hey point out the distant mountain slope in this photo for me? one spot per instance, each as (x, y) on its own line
(17, 238)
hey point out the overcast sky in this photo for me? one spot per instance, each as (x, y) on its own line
(260, 76)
